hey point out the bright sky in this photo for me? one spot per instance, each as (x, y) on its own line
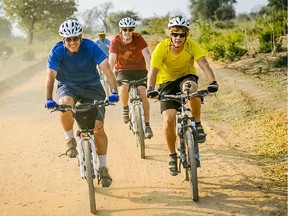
(149, 8)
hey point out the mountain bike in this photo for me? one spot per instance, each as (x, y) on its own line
(136, 114)
(85, 114)
(187, 143)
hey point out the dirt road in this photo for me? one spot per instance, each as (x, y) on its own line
(35, 182)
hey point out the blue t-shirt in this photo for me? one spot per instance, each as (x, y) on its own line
(104, 45)
(76, 68)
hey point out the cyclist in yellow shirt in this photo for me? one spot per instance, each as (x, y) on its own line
(172, 66)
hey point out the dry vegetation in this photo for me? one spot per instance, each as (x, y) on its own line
(260, 129)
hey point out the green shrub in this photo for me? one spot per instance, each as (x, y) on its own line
(267, 41)
(144, 32)
(280, 62)
(224, 24)
(217, 50)
(234, 52)
(226, 47)
(270, 29)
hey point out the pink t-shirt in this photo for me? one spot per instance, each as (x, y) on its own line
(129, 56)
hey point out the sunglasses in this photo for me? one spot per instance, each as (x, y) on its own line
(70, 39)
(182, 35)
(127, 29)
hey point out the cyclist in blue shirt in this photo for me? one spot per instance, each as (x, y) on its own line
(73, 63)
(103, 42)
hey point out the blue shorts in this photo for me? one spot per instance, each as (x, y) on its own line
(85, 94)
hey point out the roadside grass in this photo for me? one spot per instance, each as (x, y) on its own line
(260, 132)
(273, 151)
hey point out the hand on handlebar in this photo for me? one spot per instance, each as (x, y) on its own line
(50, 104)
(151, 93)
(114, 97)
(213, 87)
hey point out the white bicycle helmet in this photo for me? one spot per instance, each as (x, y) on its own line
(127, 22)
(179, 21)
(70, 28)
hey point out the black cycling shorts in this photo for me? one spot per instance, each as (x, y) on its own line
(172, 88)
(131, 75)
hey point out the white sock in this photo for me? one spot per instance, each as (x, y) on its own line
(69, 134)
(102, 161)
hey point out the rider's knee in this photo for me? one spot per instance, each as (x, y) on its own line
(189, 84)
(168, 122)
(68, 100)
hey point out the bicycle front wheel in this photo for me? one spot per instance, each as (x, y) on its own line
(189, 139)
(140, 137)
(182, 167)
(89, 175)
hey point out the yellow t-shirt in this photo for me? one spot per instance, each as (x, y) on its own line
(172, 67)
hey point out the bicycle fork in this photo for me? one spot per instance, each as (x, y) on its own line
(181, 133)
(182, 152)
(80, 142)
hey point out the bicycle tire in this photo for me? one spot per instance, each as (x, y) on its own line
(189, 139)
(184, 171)
(89, 175)
(140, 137)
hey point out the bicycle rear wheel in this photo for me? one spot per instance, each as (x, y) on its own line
(140, 137)
(89, 175)
(189, 139)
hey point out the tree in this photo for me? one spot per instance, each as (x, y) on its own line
(91, 17)
(114, 18)
(206, 9)
(35, 15)
(225, 12)
(278, 4)
(156, 25)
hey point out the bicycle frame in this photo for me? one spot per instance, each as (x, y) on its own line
(135, 100)
(81, 138)
(184, 123)
(187, 135)
(136, 114)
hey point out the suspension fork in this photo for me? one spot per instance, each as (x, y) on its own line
(182, 150)
(89, 138)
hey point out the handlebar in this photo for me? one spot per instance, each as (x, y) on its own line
(180, 96)
(65, 107)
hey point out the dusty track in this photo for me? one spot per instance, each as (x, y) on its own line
(35, 182)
